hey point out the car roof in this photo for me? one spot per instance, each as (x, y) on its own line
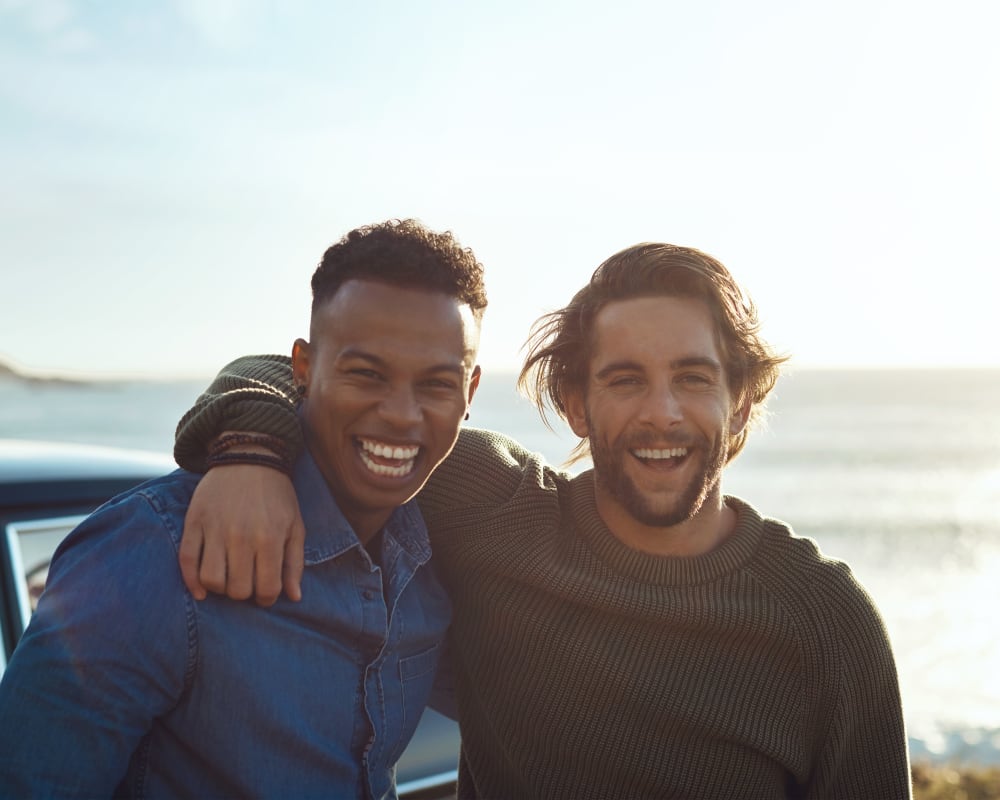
(23, 460)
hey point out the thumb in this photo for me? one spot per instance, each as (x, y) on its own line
(291, 572)
(189, 556)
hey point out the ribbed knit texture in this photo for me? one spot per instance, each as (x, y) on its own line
(253, 393)
(586, 669)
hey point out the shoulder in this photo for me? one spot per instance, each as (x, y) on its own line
(116, 574)
(170, 493)
(488, 469)
(830, 606)
(815, 576)
(490, 464)
(138, 518)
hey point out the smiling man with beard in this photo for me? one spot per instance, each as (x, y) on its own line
(658, 417)
(631, 631)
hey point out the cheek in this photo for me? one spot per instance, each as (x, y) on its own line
(322, 417)
(444, 420)
(445, 424)
(609, 415)
(714, 415)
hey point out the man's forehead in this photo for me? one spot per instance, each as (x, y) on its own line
(671, 314)
(380, 321)
(664, 327)
(375, 287)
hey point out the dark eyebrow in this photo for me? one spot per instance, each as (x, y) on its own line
(697, 361)
(374, 360)
(681, 363)
(617, 366)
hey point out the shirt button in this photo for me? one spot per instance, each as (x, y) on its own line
(368, 594)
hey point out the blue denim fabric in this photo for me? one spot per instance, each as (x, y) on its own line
(123, 683)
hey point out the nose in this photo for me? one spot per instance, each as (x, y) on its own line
(661, 407)
(400, 406)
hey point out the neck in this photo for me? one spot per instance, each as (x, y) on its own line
(365, 526)
(705, 530)
(364, 523)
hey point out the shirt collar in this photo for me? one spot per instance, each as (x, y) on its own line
(329, 534)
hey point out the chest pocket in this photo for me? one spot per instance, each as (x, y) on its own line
(416, 679)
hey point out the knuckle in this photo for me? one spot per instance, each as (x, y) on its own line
(238, 592)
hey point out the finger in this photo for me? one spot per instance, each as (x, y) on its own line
(213, 565)
(239, 570)
(267, 575)
(189, 556)
(291, 573)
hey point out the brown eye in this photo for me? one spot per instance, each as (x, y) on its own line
(361, 372)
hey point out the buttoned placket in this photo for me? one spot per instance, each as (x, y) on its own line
(374, 618)
(380, 591)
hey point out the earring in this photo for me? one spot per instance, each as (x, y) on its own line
(301, 390)
(466, 416)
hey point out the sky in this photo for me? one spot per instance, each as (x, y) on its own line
(171, 172)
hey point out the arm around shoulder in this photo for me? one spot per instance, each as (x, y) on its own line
(252, 393)
(485, 469)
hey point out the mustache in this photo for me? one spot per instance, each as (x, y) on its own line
(658, 441)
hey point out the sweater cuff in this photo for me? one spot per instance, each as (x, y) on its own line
(253, 393)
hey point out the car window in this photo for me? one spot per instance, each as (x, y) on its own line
(31, 544)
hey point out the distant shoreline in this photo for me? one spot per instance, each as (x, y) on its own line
(10, 375)
(14, 376)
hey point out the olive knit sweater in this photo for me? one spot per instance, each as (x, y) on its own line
(584, 668)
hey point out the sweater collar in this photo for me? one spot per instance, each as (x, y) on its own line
(728, 557)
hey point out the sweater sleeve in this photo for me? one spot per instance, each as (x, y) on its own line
(252, 393)
(864, 752)
(485, 470)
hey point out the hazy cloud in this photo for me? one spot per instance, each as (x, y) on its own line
(227, 24)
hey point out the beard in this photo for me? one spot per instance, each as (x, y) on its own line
(609, 472)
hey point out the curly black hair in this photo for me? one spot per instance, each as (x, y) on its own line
(402, 253)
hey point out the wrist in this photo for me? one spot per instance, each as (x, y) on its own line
(259, 449)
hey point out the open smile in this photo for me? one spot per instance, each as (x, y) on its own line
(661, 457)
(385, 459)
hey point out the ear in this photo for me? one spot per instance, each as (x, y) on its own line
(576, 412)
(473, 385)
(740, 417)
(301, 362)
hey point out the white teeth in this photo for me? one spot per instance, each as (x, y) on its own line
(388, 451)
(406, 455)
(384, 469)
(674, 452)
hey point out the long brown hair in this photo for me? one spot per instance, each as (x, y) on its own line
(560, 343)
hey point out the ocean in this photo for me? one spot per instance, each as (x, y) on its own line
(895, 472)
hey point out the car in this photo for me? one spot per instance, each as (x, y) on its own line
(47, 488)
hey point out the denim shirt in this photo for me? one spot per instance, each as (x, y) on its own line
(123, 684)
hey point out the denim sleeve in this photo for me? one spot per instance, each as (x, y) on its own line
(108, 650)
